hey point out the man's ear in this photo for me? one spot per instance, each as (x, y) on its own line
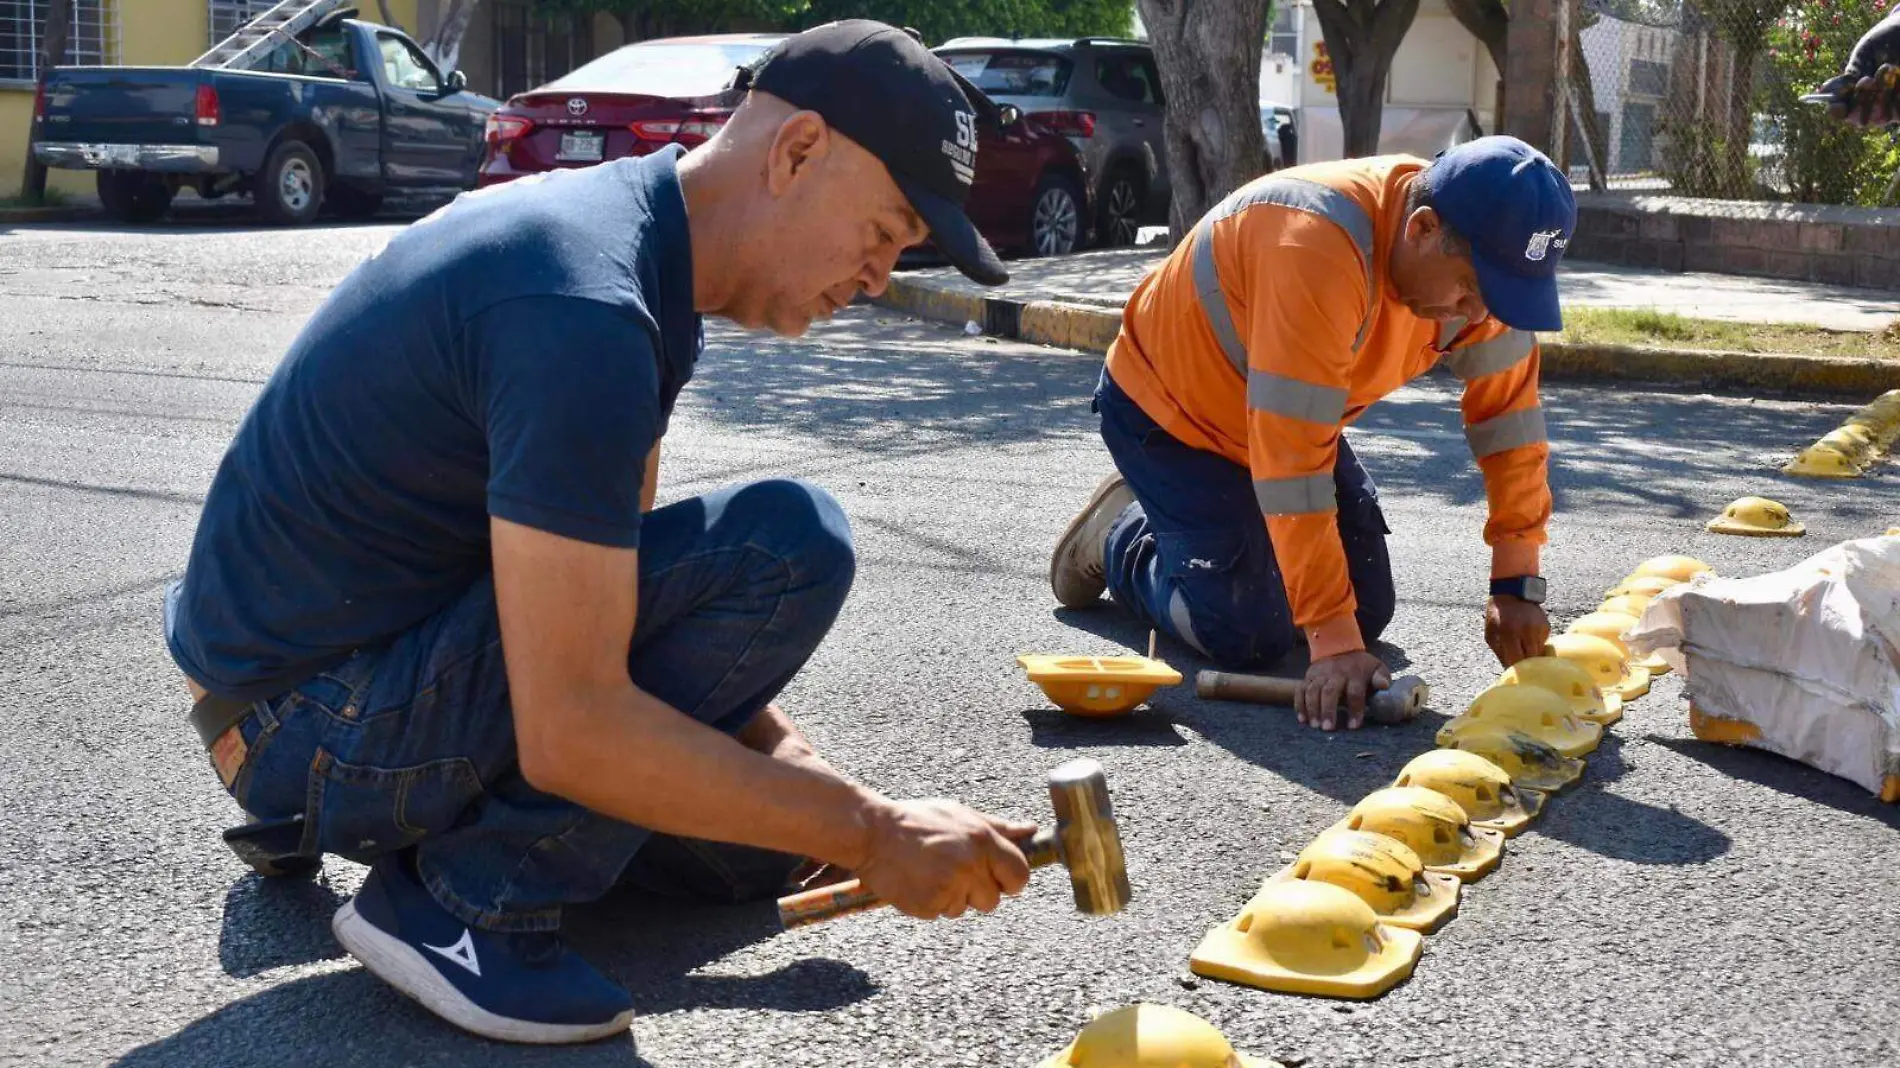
(802, 140)
(1422, 225)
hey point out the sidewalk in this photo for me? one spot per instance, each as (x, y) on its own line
(1075, 302)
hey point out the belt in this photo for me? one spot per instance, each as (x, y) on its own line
(212, 715)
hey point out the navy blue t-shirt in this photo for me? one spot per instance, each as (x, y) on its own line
(517, 354)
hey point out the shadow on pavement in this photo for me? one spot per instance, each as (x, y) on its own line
(1610, 825)
(348, 1017)
(654, 945)
(1786, 776)
(277, 923)
(1051, 728)
(875, 379)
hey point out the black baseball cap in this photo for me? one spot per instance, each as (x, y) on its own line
(879, 86)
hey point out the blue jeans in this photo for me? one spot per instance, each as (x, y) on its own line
(412, 745)
(1192, 559)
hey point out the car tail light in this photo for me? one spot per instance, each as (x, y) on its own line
(209, 111)
(39, 100)
(1067, 123)
(690, 131)
(501, 130)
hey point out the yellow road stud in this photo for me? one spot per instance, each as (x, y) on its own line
(1757, 517)
(1479, 786)
(1531, 764)
(1606, 662)
(1649, 586)
(1431, 825)
(1383, 872)
(1678, 567)
(1535, 711)
(1820, 461)
(1097, 685)
(1152, 1036)
(1586, 700)
(1614, 627)
(1299, 936)
(1630, 604)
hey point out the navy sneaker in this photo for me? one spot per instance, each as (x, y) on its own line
(509, 987)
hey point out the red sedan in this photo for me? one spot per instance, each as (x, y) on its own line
(1028, 194)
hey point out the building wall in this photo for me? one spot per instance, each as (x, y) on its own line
(151, 33)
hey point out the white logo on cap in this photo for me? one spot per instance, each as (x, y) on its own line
(1541, 243)
(963, 153)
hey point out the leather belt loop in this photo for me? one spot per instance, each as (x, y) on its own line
(212, 715)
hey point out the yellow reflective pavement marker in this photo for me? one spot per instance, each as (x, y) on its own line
(1152, 1036)
(1532, 710)
(1585, 699)
(1677, 567)
(1614, 627)
(1097, 685)
(1479, 786)
(1605, 660)
(1531, 764)
(1383, 872)
(1757, 517)
(1299, 936)
(1431, 825)
(1649, 586)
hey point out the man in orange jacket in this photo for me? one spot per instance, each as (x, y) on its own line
(1240, 521)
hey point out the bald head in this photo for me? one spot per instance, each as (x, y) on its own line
(806, 218)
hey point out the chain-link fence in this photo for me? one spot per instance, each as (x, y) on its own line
(1701, 98)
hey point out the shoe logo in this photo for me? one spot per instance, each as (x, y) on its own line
(462, 953)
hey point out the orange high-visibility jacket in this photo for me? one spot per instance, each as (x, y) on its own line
(1274, 325)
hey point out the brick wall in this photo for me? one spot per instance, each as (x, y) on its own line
(1800, 242)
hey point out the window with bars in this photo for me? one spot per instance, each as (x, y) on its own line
(228, 15)
(91, 39)
(532, 48)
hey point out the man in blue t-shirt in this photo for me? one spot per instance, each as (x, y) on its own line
(432, 622)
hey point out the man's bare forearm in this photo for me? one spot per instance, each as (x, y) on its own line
(773, 733)
(632, 757)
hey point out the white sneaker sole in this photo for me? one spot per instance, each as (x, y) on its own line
(398, 964)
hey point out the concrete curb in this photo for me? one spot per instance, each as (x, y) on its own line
(1092, 329)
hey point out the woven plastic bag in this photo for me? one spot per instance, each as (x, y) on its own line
(1804, 662)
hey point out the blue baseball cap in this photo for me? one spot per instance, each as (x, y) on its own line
(1515, 207)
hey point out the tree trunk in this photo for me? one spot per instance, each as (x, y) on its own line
(59, 20)
(382, 8)
(1488, 22)
(1741, 87)
(1208, 52)
(629, 25)
(444, 43)
(1361, 37)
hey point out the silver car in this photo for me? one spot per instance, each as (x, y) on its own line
(1104, 95)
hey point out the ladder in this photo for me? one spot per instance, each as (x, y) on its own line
(259, 37)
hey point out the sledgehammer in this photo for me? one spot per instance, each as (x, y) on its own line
(1397, 703)
(1085, 839)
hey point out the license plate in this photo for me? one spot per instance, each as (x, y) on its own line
(582, 146)
(124, 155)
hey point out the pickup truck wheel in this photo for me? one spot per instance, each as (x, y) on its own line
(133, 196)
(350, 202)
(289, 189)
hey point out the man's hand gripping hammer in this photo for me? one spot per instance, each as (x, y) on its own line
(1085, 840)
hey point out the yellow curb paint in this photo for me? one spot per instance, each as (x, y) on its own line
(1858, 444)
(1071, 326)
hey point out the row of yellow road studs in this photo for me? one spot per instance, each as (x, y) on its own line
(1347, 918)
(1856, 445)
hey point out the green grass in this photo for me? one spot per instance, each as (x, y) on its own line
(54, 199)
(1632, 326)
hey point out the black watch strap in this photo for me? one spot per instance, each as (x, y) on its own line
(1523, 587)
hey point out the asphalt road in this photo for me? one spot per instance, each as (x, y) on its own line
(1685, 905)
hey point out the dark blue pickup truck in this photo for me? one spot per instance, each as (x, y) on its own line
(343, 114)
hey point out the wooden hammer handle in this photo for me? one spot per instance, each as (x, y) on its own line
(1259, 689)
(842, 899)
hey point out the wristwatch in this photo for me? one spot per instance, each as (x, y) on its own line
(1523, 587)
